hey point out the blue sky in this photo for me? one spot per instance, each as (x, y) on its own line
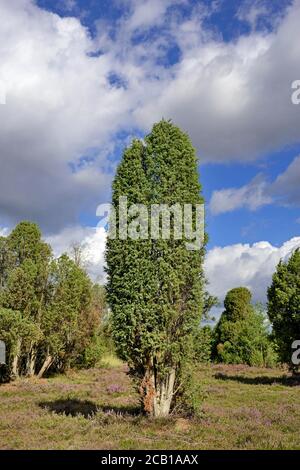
(273, 222)
(82, 78)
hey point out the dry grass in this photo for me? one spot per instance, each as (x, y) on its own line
(244, 408)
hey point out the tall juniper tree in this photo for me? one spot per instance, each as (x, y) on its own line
(155, 284)
(283, 307)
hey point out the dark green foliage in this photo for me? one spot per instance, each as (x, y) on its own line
(69, 291)
(237, 304)
(95, 329)
(18, 333)
(203, 344)
(241, 335)
(48, 318)
(190, 395)
(155, 286)
(284, 306)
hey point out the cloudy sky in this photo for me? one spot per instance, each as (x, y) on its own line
(80, 78)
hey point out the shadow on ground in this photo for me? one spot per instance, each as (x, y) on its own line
(260, 380)
(74, 407)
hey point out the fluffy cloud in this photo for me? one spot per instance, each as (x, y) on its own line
(92, 241)
(285, 190)
(3, 232)
(245, 265)
(59, 127)
(59, 115)
(251, 196)
(260, 14)
(69, 95)
(286, 187)
(147, 13)
(233, 98)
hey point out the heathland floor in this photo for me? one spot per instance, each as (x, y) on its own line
(243, 408)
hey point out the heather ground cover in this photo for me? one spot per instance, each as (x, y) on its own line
(243, 408)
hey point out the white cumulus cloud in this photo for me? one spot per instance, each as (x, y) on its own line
(233, 98)
(251, 196)
(64, 110)
(92, 240)
(284, 190)
(244, 265)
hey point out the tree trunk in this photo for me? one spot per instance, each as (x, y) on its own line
(164, 395)
(15, 362)
(47, 363)
(30, 362)
(157, 394)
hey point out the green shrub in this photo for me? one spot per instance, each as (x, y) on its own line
(241, 335)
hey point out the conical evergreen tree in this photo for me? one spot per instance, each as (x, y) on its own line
(155, 285)
(283, 307)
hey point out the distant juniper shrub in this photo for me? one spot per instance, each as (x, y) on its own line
(241, 335)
